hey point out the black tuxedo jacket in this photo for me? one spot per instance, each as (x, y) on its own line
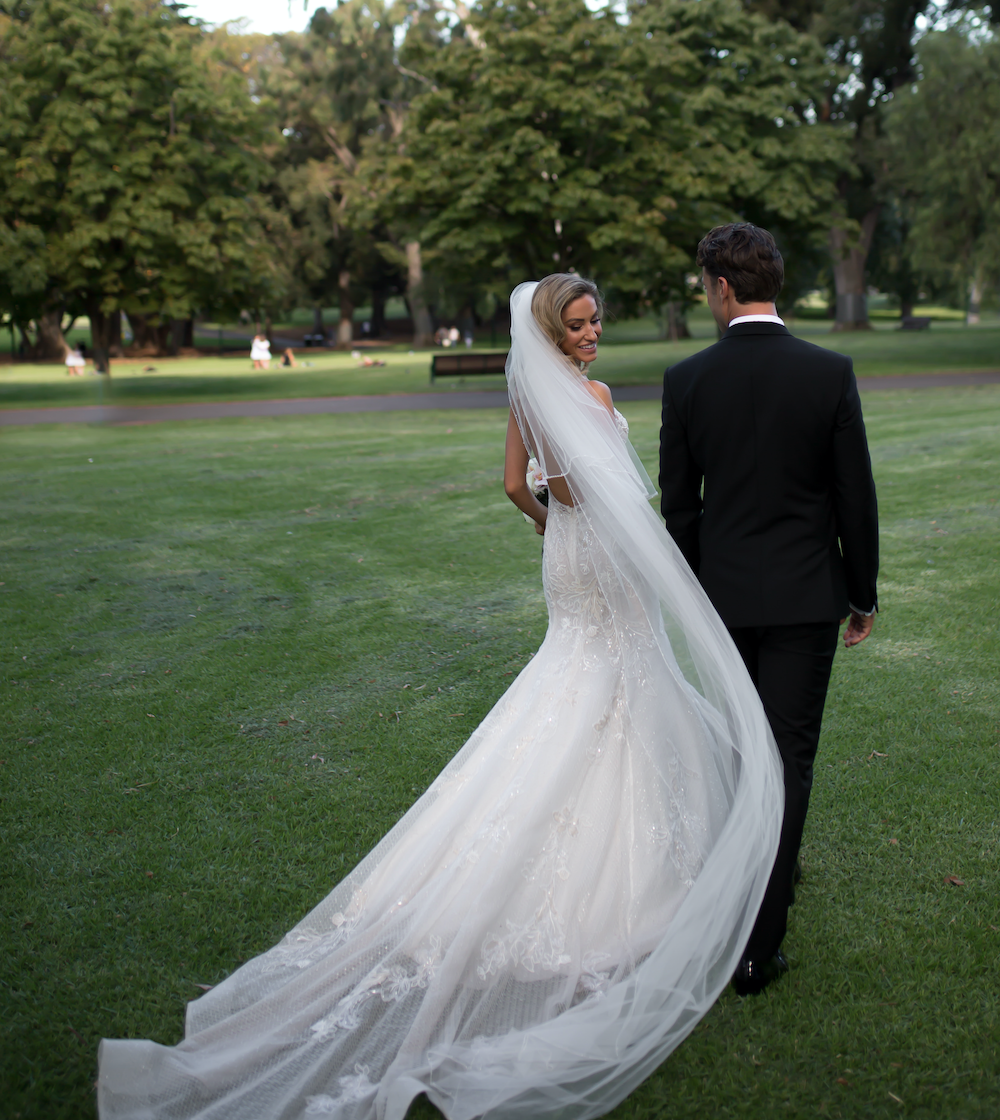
(766, 480)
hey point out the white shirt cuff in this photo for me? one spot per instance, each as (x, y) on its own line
(857, 610)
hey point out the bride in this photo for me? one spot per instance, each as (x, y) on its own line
(570, 896)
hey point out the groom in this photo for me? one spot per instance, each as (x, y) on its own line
(767, 490)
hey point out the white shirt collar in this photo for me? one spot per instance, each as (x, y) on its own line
(756, 319)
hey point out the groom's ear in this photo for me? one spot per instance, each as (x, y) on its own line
(719, 285)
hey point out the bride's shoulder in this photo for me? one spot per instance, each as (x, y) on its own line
(603, 394)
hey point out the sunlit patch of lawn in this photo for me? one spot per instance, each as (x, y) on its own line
(630, 355)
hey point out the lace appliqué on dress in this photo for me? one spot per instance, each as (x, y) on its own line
(391, 984)
(353, 1087)
(300, 950)
(541, 942)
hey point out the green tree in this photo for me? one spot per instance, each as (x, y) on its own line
(889, 266)
(944, 151)
(341, 94)
(734, 104)
(874, 43)
(551, 137)
(130, 168)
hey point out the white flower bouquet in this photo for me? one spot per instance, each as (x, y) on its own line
(538, 484)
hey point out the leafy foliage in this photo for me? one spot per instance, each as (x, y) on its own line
(131, 160)
(944, 148)
(448, 152)
(340, 93)
(550, 137)
(872, 41)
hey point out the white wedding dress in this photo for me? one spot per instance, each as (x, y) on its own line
(552, 916)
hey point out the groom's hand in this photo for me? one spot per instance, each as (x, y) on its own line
(858, 628)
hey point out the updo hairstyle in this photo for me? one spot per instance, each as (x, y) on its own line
(554, 294)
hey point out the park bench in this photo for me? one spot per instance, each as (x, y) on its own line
(468, 364)
(915, 323)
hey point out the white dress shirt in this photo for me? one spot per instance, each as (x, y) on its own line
(756, 319)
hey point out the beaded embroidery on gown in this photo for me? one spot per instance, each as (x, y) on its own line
(540, 929)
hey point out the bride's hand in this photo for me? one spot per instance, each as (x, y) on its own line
(539, 528)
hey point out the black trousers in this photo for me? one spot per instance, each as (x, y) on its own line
(790, 667)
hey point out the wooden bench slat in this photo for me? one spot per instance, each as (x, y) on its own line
(450, 365)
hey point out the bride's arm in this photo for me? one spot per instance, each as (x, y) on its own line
(515, 469)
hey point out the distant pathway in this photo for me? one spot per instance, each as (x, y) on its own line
(399, 402)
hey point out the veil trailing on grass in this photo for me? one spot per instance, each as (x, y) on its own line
(559, 909)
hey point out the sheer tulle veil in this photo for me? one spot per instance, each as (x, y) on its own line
(557, 911)
(618, 1042)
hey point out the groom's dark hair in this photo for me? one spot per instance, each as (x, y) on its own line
(748, 258)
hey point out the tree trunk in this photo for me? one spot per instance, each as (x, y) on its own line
(24, 347)
(176, 337)
(849, 257)
(149, 337)
(673, 324)
(100, 338)
(423, 328)
(345, 325)
(115, 335)
(318, 327)
(143, 336)
(50, 342)
(975, 298)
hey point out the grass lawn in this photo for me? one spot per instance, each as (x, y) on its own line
(629, 357)
(237, 651)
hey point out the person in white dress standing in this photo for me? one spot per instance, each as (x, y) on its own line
(260, 351)
(75, 362)
(569, 897)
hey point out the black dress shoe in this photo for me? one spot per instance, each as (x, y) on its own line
(751, 977)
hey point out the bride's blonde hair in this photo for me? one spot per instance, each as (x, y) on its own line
(554, 294)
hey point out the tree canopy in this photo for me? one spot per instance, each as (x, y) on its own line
(873, 41)
(130, 167)
(548, 136)
(445, 152)
(944, 151)
(335, 87)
